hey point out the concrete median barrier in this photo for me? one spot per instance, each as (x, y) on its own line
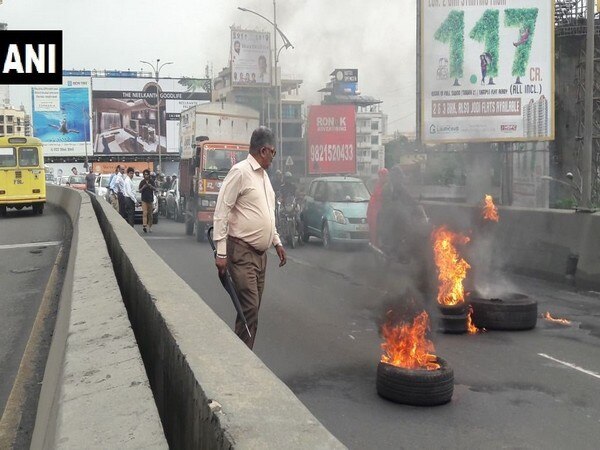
(536, 242)
(95, 392)
(211, 391)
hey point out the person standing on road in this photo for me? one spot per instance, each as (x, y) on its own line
(244, 228)
(129, 196)
(114, 200)
(120, 185)
(90, 182)
(147, 188)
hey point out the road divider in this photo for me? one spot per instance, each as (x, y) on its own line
(95, 391)
(211, 390)
(552, 244)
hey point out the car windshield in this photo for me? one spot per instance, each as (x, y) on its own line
(347, 191)
(76, 179)
(222, 160)
(104, 181)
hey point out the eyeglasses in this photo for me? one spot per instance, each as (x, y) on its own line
(273, 151)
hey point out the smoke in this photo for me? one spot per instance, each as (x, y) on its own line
(376, 37)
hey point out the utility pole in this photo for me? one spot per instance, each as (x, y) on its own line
(156, 70)
(586, 157)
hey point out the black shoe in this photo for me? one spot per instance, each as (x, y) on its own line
(145, 231)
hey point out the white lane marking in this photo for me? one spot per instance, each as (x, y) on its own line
(30, 244)
(572, 366)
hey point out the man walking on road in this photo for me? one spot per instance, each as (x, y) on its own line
(129, 196)
(244, 228)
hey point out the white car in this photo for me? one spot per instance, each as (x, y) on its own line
(102, 181)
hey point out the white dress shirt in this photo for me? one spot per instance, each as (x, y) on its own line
(119, 182)
(246, 208)
(128, 189)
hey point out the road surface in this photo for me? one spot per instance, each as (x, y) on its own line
(318, 332)
(29, 245)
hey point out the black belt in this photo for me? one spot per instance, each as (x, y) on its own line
(245, 244)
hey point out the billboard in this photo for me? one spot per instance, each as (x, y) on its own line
(60, 117)
(487, 70)
(250, 58)
(126, 118)
(331, 139)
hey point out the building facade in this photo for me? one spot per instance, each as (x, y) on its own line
(291, 154)
(371, 122)
(14, 122)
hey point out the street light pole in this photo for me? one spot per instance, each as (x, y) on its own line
(156, 68)
(276, 83)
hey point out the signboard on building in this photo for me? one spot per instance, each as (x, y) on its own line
(487, 70)
(60, 117)
(250, 58)
(125, 118)
(331, 139)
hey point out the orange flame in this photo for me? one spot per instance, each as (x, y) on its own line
(548, 317)
(490, 212)
(406, 346)
(471, 328)
(452, 269)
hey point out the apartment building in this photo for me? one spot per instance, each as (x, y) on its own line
(14, 122)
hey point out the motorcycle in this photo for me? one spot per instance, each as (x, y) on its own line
(288, 220)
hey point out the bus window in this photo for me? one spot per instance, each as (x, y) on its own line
(28, 157)
(7, 157)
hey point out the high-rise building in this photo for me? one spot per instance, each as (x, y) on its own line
(535, 118)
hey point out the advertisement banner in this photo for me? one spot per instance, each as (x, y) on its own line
(126, 118)
(487, 70)
(331, 139)
(250, 58)
(61, 117)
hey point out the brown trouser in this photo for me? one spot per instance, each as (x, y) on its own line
(114, 201)
(247, 267)
(147, 214)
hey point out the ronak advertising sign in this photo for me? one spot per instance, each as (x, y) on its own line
(331, 139)
(487, 70)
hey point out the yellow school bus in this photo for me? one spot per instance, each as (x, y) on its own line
(22, 174)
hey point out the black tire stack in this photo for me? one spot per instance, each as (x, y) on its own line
(453, 319)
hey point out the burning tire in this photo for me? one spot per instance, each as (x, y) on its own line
(417, 387)
(513, 312)
(453, 310)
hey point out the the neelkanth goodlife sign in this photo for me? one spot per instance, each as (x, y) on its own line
(30, 57)
(487, 70)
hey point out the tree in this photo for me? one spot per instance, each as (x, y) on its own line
(487, 30)
(525, 19)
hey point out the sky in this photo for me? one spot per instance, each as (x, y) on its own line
(375, 36)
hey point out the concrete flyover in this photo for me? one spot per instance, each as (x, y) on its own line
(211, 391)
(538, 242)
(95, 392)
